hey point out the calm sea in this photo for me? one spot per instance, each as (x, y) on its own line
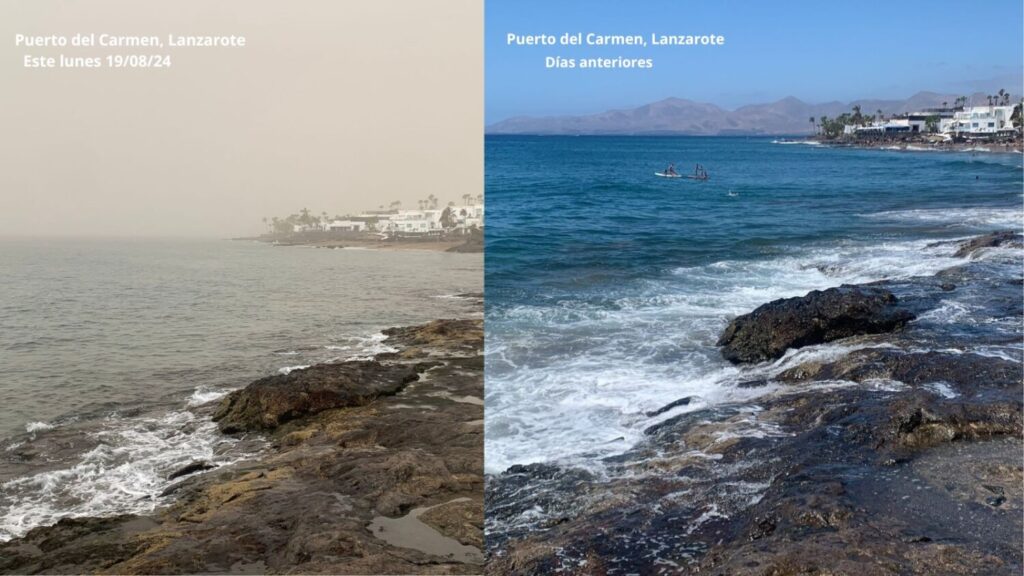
(607, 286)
(109, 350)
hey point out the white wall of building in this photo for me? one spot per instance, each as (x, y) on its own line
(347, 226)
(979, 120)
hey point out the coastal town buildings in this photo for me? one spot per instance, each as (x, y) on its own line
(433, 221)
(970, 121)
(429, 220)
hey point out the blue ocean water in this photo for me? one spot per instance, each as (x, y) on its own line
(607, 286)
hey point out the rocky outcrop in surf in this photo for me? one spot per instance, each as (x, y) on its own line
(820, 316)
(270, 402)
(372, 467)
(1001, 238)
(885, 453)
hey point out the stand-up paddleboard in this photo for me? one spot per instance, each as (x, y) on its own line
(663, 175)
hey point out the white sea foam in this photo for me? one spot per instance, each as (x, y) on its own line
(571, 382)
(956, 217)
(942, 389)
(801, 142)
(947, 312)
(38, 427)
(124, 473)
(290, 369)
(204, 395)
(362, 347)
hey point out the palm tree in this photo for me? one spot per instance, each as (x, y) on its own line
(858, 118)
(880, 117)
(264, 220)
(944, 103)
(812, 122)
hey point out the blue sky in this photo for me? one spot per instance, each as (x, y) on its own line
(816, 51)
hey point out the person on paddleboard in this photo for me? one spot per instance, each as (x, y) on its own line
(671, 170)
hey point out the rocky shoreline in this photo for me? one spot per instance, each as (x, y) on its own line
(372, 467)
(921, 144)
(470, 243)
(895, 450)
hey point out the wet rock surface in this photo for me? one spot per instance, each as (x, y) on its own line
(372, 439)
(269, 402)
(820, 316)
(899, 454)
(1001, 238)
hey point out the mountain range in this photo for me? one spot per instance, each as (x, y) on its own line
(789, 116)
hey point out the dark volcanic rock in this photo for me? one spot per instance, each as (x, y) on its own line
(964, 371)
(98, 544)
(1001, 238)
(191, 468)
(820, 316)
(919, 420)
(674, 404)
(269, 402)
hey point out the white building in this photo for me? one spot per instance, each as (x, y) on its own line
(422, 222)
(471, 216)
(412, 222)
(979, 120)
(347, 226)
(892, 126)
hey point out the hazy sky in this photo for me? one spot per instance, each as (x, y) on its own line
(817, 51)
(333, 105)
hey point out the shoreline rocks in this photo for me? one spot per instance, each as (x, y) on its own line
(899, 456)
(270, 402)
(995, 239)
(348, 444)
(820, 316)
